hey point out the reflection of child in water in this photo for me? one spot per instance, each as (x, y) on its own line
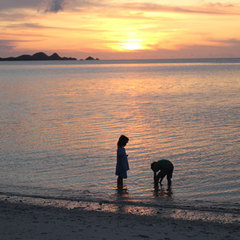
(165, 167)
(122, 161)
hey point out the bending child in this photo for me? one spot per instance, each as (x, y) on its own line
(165, 167)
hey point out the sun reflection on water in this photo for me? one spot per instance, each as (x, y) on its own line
(60, 127)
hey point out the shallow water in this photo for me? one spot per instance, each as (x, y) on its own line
(60, 123)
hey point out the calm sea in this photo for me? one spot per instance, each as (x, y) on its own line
(60, 122)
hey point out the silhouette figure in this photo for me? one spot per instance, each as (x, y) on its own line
(122, 161)
(164, 168)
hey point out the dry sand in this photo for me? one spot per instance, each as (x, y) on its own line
(23, 221)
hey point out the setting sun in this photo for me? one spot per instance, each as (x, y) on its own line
(131, 46)
(121, 29)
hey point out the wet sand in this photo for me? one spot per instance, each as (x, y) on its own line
(24, 221)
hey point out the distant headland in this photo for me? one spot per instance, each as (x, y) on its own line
(41, 56)
(91, 58)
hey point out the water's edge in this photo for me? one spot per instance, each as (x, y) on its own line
(223, 213)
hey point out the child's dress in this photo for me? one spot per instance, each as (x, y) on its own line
(122, 163)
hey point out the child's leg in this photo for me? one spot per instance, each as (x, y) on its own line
(169, 178)
(169, 175)
(160, 176)
(169, 183)
(161, 181)
(120, 181)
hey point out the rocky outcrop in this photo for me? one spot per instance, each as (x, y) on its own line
(40, 56)
(91, 58)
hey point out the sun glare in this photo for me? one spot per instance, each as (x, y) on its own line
(131, 46)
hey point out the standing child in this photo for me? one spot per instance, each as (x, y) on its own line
(122, 160)
(165, 167)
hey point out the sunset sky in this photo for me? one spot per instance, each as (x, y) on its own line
(121, 29)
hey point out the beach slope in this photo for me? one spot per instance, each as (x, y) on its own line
(24, 221)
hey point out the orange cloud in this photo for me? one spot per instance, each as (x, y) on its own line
(119, 29)
(220, 9)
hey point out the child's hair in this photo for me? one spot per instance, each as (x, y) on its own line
(123, 140)
(153, 166)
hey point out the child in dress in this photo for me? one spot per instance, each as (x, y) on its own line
(122, 160)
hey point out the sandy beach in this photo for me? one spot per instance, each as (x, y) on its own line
(25, 221)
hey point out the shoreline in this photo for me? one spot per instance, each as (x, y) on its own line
(21, 220)
(216, 212)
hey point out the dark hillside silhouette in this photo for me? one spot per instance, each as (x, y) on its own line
(40, 56)
(91, 58)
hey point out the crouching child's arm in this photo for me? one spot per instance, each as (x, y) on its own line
(155, 178)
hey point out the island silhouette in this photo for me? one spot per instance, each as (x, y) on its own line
(91, 58)
(41, 56)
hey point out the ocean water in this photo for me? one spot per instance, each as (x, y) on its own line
(60, 123)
